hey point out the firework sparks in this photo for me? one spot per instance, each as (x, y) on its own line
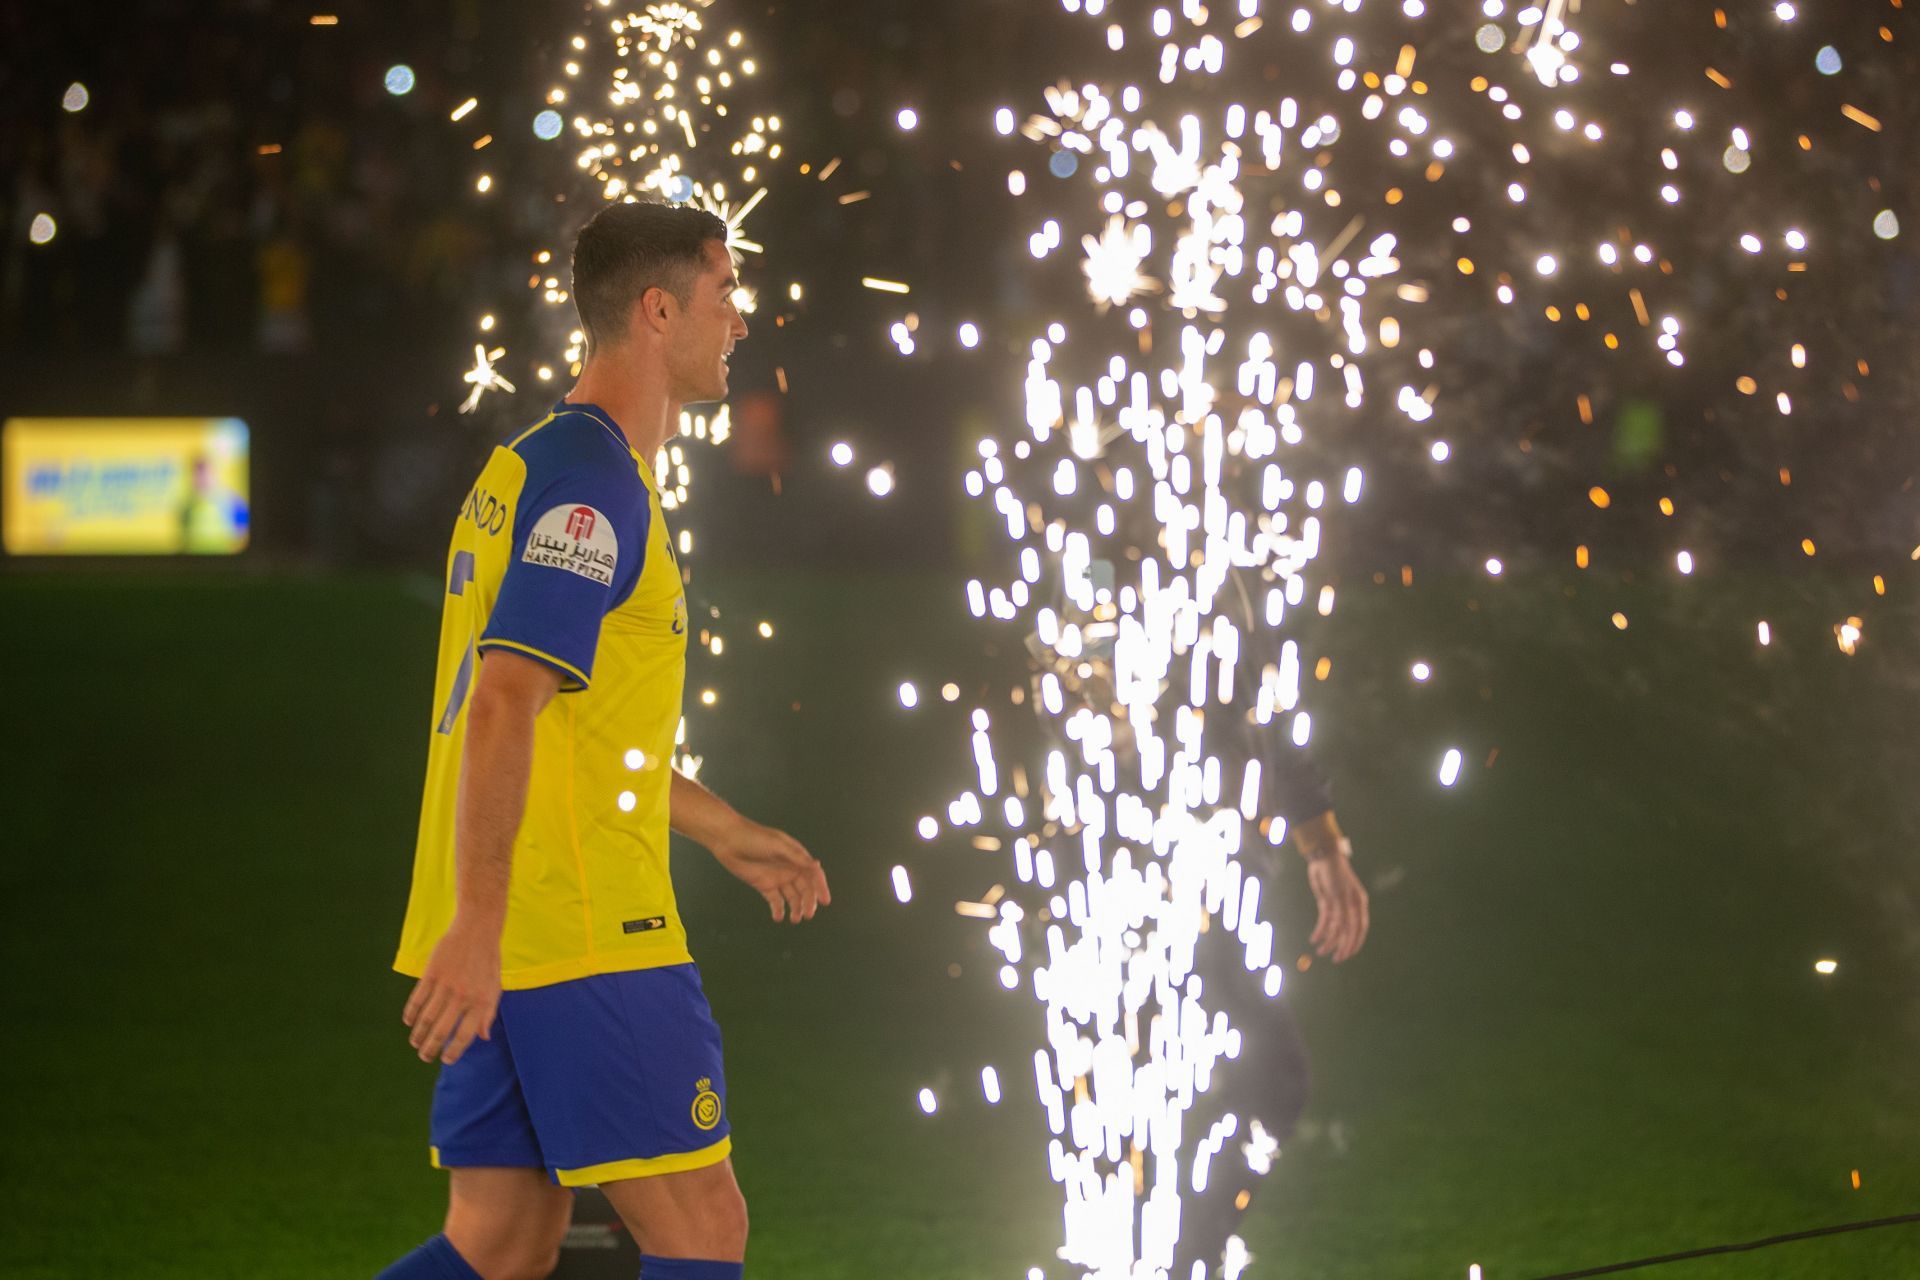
(734, 218)
(667, 123)
(1158, 587)
(1113, 262)
(483, 376)
(1164, 507)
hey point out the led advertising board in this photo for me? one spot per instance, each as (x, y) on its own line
(123, 486)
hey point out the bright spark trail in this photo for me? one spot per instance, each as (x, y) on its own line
(1251, 324)
(1165, 517)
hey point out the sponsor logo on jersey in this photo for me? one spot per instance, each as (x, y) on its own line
(576, 538)
(706, 1104)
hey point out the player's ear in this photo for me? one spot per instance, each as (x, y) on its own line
(657, 307)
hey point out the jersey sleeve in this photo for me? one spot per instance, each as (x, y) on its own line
(579, 539)
(1296, 788)
(1291, 784)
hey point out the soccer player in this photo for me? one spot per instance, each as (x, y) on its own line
(555, 986)
(1267, 1089)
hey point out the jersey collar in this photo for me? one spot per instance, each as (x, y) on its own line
(599, 415)
(605, 419)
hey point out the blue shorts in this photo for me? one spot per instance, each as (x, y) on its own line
(602, 1078)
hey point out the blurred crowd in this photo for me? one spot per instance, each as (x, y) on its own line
(255, 185)
(210, 179)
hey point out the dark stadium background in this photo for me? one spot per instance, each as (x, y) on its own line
(1587, 1026)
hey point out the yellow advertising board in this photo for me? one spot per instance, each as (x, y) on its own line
(124, 486)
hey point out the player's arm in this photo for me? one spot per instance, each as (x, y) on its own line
(1344, 920)
(1300, 791)
(772, 863)
(459, 991)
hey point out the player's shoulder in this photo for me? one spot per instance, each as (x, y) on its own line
(576, 445)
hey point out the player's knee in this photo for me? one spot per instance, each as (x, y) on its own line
(509, 1246)
(538, 1256)
(546, 1264)
(512, 1259)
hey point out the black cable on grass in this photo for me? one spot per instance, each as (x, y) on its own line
(1904, 1219)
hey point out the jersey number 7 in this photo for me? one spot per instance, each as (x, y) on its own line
(457, 579)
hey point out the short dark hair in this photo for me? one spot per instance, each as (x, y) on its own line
(629, 248)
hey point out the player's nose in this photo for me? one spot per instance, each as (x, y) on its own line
(739, 326)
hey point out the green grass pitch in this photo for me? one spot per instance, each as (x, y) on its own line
(1587, 1026)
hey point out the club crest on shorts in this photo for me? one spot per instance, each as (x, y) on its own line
(706, 1104)
(577, 538)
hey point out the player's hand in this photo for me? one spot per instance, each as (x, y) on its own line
(1343, 907)
(457, 996)
(777, 867)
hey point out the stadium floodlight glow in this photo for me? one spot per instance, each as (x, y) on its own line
(75, 99)
(547, 125)
(399, 79)
(43, 228)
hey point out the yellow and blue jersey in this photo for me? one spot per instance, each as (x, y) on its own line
(560, 554)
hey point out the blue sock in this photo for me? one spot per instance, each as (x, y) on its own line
(652, 1268)
(437, 1259)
